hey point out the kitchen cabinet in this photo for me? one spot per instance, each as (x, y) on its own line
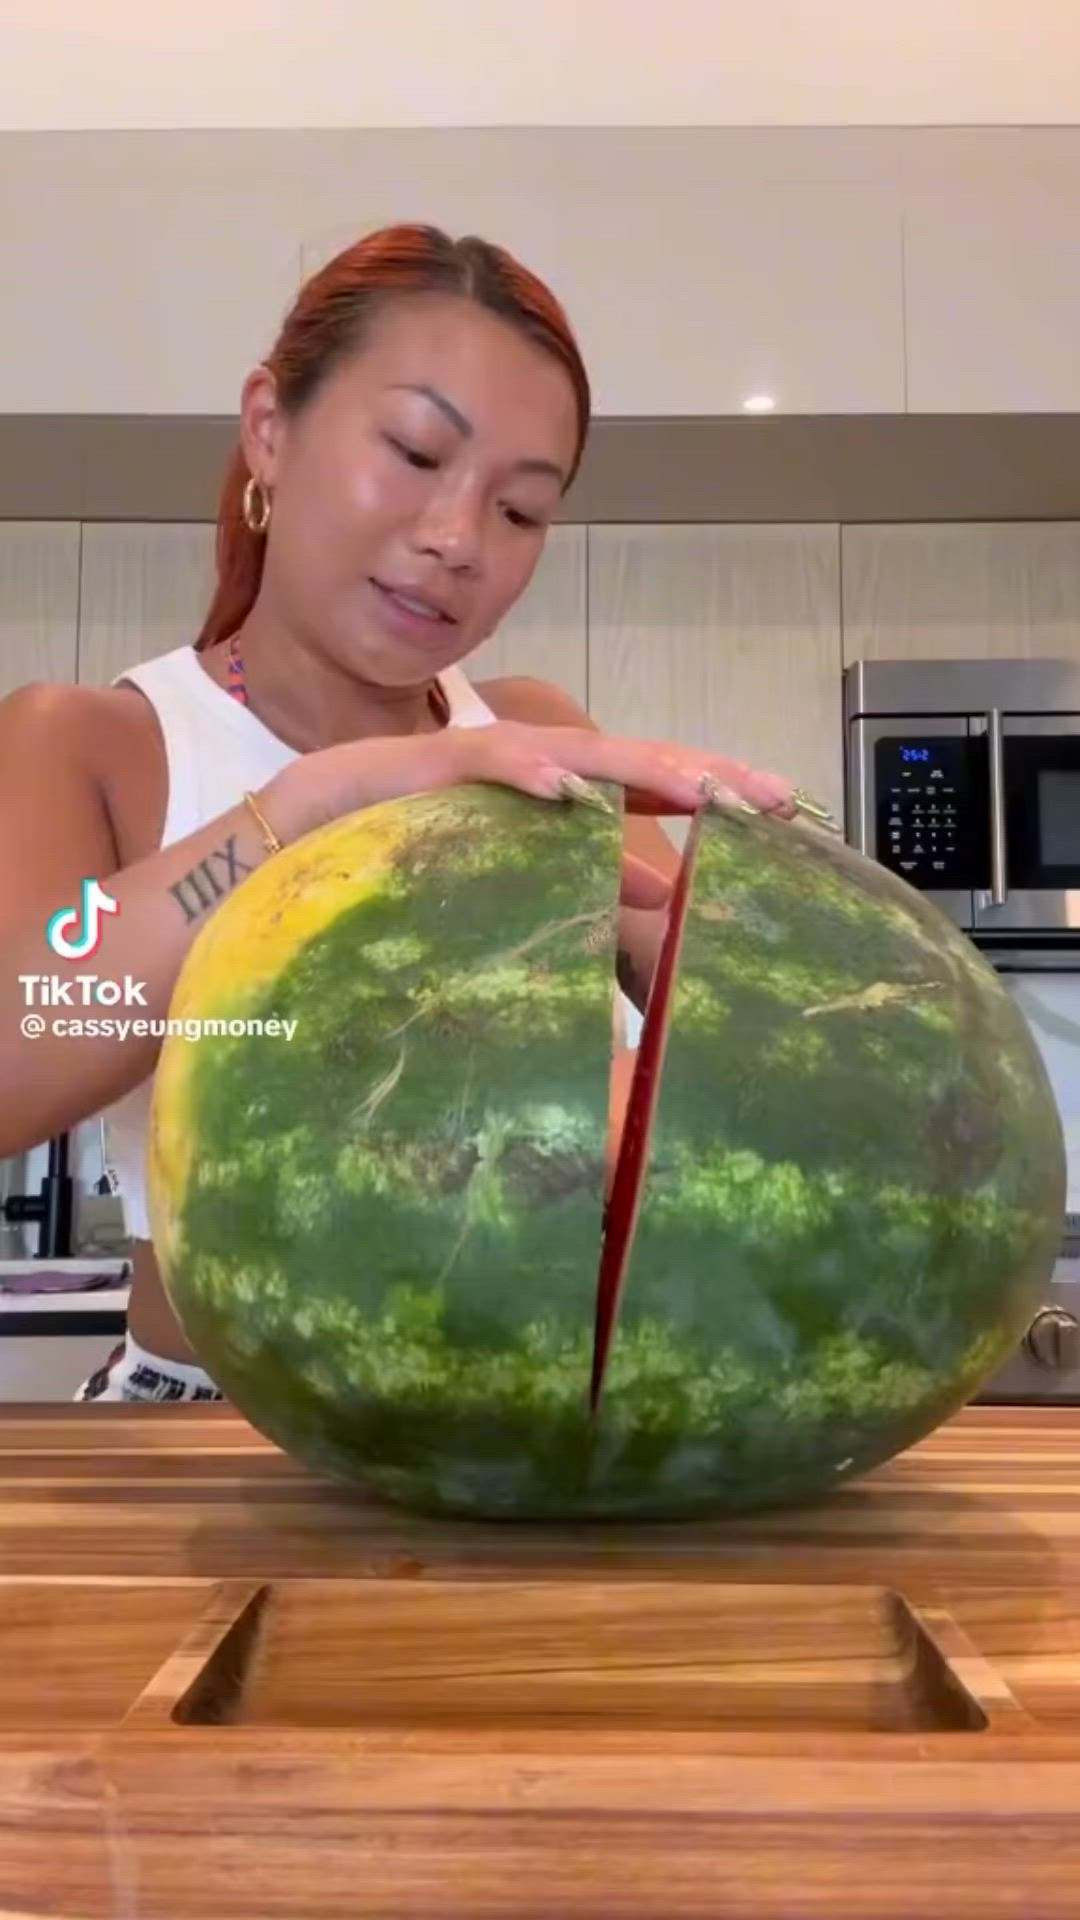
(544, 635)
(1003, 590)
(135, 285)
(51, 1342)
(144, 590)
(39, 599)
(992, 299)
(727, 638)
(691, 285)
(694, 296)
(847, 270)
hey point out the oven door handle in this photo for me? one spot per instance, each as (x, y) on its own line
(999, 877)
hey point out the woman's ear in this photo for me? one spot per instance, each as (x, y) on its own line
(261, 426)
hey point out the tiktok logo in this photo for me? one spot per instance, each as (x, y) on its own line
(82, 922)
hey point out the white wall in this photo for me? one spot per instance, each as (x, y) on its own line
(347, 63)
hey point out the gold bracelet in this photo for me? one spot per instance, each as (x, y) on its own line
(270, 839)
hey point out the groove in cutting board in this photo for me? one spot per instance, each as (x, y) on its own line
(652, 1656)
(199, 1681)
(943, 1651)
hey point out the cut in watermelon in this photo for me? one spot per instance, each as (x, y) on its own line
(625, 1198)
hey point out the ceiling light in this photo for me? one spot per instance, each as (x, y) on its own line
(759, 403)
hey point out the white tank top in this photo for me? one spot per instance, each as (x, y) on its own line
(214, 748)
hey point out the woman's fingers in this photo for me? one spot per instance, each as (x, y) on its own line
(766, 791)
(554, 763)
(660, 777)
(642, 886)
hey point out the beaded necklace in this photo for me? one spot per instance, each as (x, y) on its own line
(236, 679)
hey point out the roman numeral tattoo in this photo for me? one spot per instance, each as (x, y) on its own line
(205, 884)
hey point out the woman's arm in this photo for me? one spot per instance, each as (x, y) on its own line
(56, 831)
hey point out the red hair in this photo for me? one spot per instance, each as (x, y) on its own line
(330, 319)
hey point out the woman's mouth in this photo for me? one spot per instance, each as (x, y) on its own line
(411, 609)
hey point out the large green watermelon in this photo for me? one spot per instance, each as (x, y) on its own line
(839, 1192)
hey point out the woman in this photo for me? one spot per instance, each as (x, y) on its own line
(401, 455)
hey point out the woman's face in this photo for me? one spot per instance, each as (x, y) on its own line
(412, 494)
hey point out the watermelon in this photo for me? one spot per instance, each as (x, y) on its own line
(392, 1240)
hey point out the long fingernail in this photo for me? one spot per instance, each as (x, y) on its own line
(806, 803)
(715, 795)
(573, 787)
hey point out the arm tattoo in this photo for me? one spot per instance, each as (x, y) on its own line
(207, 883)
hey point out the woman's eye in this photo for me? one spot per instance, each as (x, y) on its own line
(519, 519)
(411, 454)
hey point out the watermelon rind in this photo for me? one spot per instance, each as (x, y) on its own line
(384, 1242)
(855, 1188)
(383, 1237)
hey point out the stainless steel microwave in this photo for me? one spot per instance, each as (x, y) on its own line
(964, 777)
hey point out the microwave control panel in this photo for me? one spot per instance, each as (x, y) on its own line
(930, 802)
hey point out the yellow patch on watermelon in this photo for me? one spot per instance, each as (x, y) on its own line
(249, 941)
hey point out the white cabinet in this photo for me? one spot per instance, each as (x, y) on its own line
(51, 1342)
(993, 300)
(844, 270)
(691, 290)
(145, 590)
(727, 638)
(36, 1368)
(140, 294)
(941, 592)
(691, 302)
(39, 600)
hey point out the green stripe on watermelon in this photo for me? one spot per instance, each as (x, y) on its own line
(855, 1189)
(388, 1239)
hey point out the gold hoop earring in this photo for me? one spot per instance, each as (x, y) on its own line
(256, 525)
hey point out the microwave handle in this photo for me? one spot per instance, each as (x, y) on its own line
(999, 879)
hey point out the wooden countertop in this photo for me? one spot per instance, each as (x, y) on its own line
(230, 1689)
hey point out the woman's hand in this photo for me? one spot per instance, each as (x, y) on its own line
(658, 777)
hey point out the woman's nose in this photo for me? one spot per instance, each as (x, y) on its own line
(452, 527)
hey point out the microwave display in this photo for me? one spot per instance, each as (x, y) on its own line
(930, 801)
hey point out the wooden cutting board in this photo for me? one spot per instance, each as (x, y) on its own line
(230, 1689)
